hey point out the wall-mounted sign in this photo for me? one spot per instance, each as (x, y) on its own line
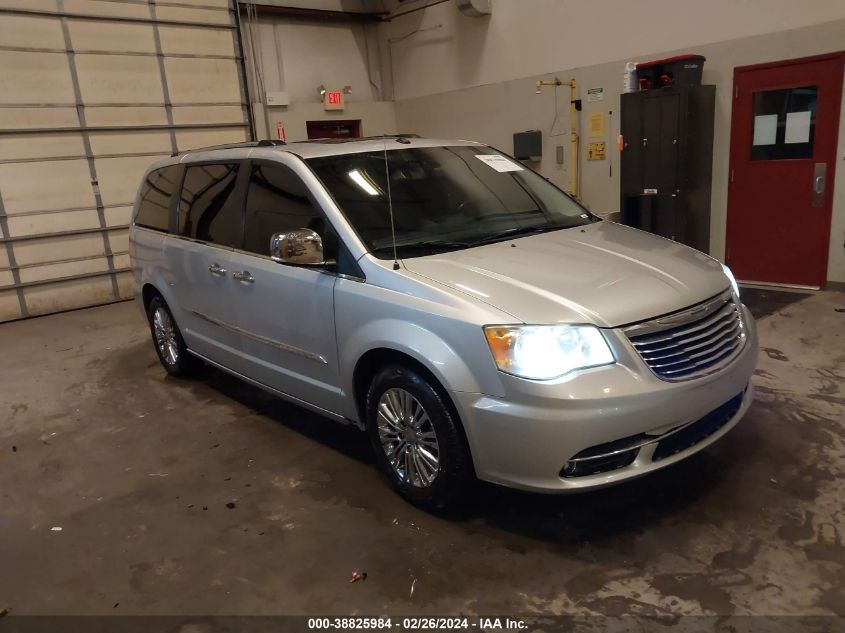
(595, 94)
(333, 100)
(596, 151)
(596, 126)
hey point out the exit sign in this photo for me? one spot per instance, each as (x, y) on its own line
(333, 100)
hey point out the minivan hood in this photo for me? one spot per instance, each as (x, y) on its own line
(603, 273)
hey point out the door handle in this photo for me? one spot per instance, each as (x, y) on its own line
(215, 269)
(244, 276)
(819, 185)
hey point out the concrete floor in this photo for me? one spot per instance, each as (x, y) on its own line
(137, 470)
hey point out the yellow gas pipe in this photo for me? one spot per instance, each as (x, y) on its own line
(574, 126)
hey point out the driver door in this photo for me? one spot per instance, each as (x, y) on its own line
(285, 313)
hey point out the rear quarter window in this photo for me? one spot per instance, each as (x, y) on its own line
(154, 200)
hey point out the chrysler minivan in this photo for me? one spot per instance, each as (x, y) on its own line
(473, 319)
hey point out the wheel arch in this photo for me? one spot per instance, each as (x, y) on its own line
(155, 287)
(148, 291)
(375, 359)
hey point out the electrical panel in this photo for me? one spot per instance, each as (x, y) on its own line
(559, 150)
(277, 98)
(528, 145)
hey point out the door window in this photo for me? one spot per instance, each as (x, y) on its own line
(277, 201)
(154, 201)
(208, 210)
(784, 123)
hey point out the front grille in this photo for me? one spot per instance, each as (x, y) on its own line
(692, 343)
(698, 431)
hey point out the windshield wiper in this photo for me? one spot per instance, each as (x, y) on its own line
(515, 231)
(448, 243)
(424, 244)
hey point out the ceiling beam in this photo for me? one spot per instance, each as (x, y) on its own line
(303, 13)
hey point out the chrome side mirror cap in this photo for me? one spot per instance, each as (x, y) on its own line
(300, 247)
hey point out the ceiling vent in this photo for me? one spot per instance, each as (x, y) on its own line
(474, 8)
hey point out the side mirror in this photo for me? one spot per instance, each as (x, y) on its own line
(300, 247)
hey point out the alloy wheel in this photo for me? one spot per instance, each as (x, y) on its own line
(165, 336)
(408, 438)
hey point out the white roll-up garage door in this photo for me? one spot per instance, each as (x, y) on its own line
(91, 92)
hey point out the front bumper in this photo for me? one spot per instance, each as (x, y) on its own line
(527, 438)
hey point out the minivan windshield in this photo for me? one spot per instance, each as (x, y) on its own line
(444, 198)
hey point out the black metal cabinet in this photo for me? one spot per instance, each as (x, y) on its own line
(667, 162)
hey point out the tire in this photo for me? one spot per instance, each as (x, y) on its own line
(431, 430)
(167, 340)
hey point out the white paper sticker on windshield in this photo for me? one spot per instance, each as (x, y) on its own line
(499, 162)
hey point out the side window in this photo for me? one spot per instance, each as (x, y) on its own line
(208, 209)
(154, 199)
(277, 201)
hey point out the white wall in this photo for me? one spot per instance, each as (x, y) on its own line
(531, 37)
(298, 56)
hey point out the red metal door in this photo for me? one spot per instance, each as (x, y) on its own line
(784, 129)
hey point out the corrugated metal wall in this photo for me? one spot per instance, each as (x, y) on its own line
(91, 92)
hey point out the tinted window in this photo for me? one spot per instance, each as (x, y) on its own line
(443, 198)
(277, 201)
(208, 209)
(154, 201)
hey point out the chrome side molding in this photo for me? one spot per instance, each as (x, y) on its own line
(261, 339)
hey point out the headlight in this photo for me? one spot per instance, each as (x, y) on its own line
(731, 278)
(543, 352)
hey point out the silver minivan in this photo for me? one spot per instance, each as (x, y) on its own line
(473, 319)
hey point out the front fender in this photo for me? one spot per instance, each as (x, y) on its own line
(437, 329)
(411, 339)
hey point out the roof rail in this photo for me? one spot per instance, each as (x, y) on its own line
(262, 143)
(399, 138)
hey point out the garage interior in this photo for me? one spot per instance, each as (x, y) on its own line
(129, 492)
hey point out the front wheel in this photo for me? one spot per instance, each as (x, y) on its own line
(417, 441)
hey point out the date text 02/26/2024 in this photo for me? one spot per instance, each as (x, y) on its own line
(417, 623)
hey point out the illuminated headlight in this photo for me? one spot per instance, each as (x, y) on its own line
(732, 279)
(543, 352)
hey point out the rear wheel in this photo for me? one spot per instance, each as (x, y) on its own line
(417, 442)
(168, 341)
